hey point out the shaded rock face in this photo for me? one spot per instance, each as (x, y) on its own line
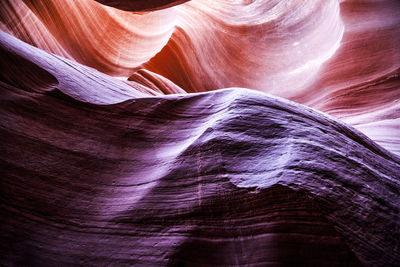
(141, 5)
(14, 67)
(109, 156)
(276, 226)
(157, 188)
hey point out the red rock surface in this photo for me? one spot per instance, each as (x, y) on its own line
(105, 38)
(110, 156)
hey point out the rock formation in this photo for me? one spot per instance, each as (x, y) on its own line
(204, 133)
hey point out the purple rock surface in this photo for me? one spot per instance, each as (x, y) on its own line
(99, 170)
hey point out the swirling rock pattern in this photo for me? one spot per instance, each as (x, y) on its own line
(99, 166)
(272, 46)
(108, 39)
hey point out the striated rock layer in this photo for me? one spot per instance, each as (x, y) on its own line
(340, 57)
(99, 166)
(110, 40)
(228, 177)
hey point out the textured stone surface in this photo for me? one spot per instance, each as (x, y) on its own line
(99, 166)
(110, 40)
(340, 57)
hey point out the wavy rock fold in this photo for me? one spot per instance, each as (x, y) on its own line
(129, 137)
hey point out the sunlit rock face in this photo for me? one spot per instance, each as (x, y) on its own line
(123, 145)
(272, 46)
(110, 40)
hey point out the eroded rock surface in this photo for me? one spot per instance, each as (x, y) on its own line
(110, 156)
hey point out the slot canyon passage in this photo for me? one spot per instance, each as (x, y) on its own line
(200, 133)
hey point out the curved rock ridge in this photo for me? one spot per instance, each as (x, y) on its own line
(168, 181)
(24, 63)
(156, 82)
(141, 169)
(339, 61)
(229, 177)
(110, 40)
